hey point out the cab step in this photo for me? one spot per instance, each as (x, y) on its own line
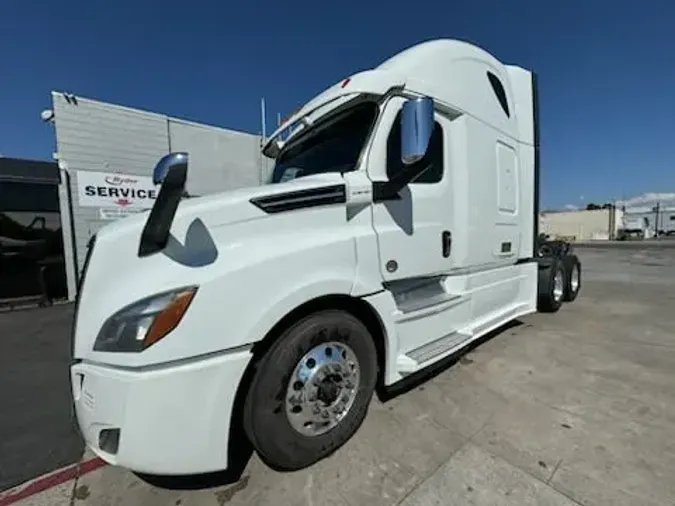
(418, 358)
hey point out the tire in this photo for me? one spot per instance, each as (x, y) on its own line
(282, 394)
(572, 279)
(551, 287)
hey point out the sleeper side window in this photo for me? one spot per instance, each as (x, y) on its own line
(499, 92)
(434, 154)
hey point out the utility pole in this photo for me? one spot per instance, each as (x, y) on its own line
(262, 119)
(263, 161)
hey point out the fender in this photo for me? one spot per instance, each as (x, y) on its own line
(301, 293)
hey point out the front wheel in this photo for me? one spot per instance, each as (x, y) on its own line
(311, 390)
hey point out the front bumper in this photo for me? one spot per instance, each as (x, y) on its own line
(171, 420)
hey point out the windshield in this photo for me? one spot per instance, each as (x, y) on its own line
(331, 147)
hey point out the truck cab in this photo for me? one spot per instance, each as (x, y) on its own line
(399, 225)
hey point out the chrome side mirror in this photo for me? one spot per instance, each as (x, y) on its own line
(165, 164)
(171, 173)
(417, 125)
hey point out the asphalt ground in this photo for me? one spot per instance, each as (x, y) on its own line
(36, 433)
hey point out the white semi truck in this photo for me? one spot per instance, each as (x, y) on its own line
(399, 226)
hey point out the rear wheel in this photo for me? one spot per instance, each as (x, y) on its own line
(311, 390)
(573, 281)
(552, 281)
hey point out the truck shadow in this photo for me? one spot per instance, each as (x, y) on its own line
(240, 449)
(198, 250)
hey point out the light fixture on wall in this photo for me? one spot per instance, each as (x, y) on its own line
(47, 115)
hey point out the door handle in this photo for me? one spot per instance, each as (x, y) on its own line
(447, 243)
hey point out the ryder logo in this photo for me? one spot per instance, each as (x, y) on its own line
(118, 180)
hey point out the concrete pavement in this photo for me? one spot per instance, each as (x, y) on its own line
(572, 408)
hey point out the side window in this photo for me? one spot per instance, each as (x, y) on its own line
(434, 153)
(499, 92)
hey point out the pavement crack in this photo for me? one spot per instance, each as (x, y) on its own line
(423, 479)
(471, 438)
(554, 471)
(538, 478)
(73, 492)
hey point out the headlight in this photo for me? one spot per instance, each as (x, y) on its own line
(143, 323)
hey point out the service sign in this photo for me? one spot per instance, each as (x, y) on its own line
(115, 191)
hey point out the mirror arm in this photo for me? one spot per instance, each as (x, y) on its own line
(383, 191)
(388, 190)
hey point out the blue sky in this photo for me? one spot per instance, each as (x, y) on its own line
(606, 69)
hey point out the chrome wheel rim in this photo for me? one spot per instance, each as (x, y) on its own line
(322, 389)
(558, 286)
(574, 279)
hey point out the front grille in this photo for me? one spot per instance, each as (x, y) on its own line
(78, 295)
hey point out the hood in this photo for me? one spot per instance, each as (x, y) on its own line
(207, 235)
(220, 208)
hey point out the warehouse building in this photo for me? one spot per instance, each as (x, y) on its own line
(582, 225)
(106, 153)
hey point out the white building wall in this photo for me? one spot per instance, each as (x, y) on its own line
(581, 225)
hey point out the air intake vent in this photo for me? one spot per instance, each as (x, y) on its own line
(301, 199)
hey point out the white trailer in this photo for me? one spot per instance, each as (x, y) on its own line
(635, 226)
(400, 225)
(648, 222)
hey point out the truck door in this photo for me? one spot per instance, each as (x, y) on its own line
(414, 233)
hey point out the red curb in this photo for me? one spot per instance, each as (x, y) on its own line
(49, 481)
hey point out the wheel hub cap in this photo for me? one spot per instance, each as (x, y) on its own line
(322, 388)
(558, 286)
(574, 281)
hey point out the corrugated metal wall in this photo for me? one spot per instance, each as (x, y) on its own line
(103, 137)
(95, 136)
(219, 159)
